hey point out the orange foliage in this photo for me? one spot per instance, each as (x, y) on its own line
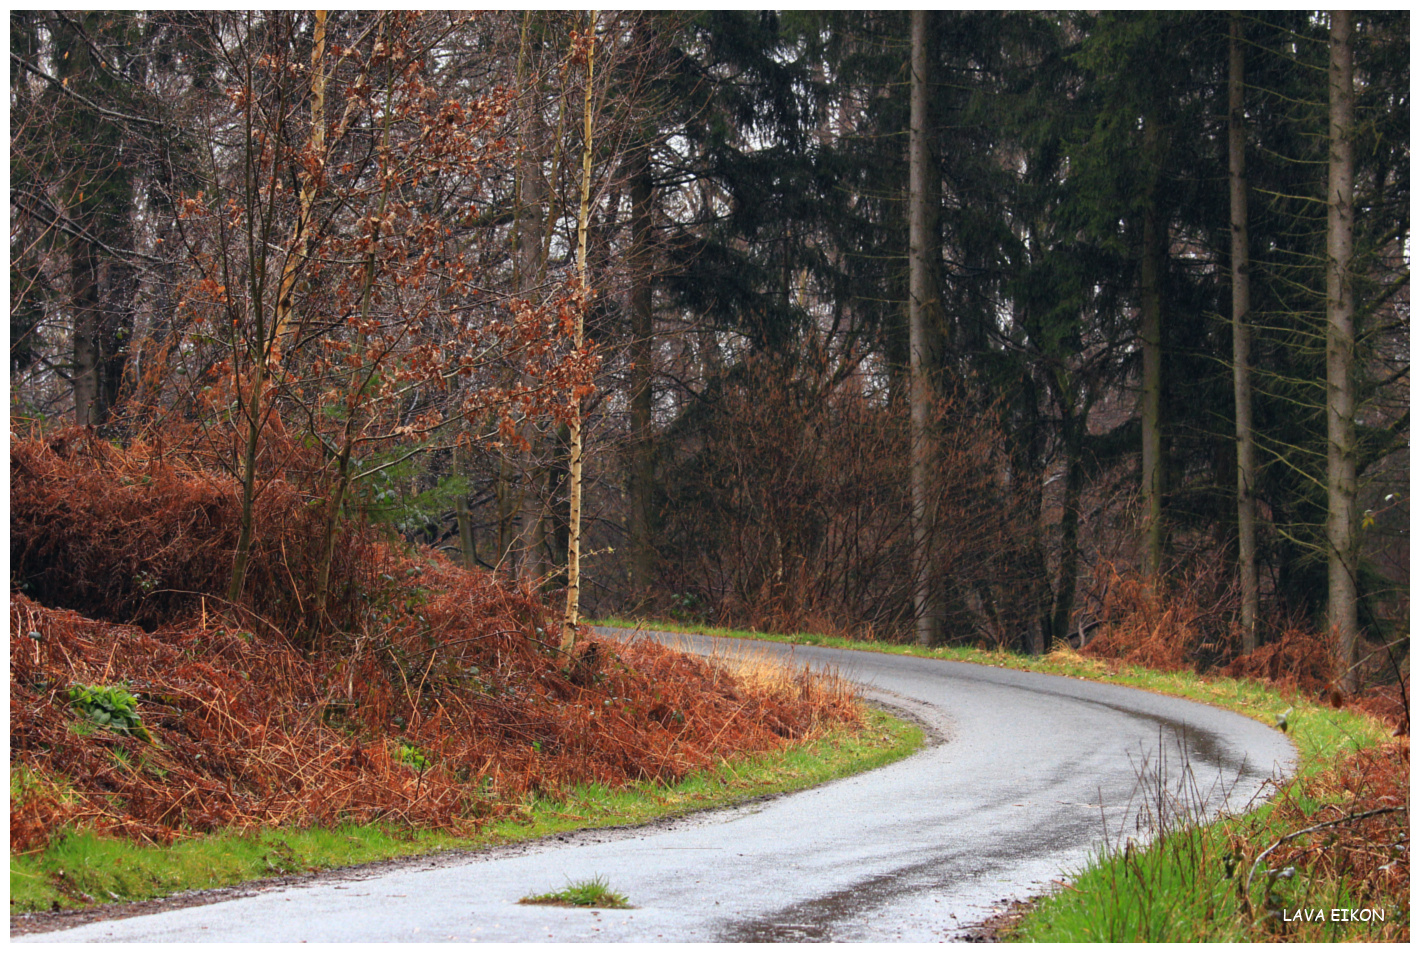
(251, 729)
(1371, 853)
(1143, 625)
(1297, 659)
(1181, 627)
(139, 536)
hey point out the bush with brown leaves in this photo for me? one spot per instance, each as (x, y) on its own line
(136, 535)
(441, 700)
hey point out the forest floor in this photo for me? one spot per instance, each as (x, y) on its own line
(429, 702)
(1335, 837)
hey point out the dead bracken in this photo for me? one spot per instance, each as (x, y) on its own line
(439, 700)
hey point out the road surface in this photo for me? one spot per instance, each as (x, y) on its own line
(1029, 775)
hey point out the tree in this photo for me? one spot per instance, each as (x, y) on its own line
(574, 519)
(76, 176)
(1242, 338)
(919, 302)
(338, 260)
(1341, 524)
(1153, 255)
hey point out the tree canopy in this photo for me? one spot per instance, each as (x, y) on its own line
(862, 341)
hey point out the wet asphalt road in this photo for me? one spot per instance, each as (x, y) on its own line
(1034, 773)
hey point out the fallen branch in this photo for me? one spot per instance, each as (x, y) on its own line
(1312, 830)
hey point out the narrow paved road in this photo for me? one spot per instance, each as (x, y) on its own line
(1032, 774)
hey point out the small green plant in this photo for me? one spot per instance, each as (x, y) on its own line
(413, 757)
(585, 893)
(111, 707)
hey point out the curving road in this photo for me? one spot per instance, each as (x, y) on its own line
(1032, 774)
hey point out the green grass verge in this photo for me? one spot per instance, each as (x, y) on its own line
(1184, 886)
(78, 869)
(1187, 887)
(1319, 732)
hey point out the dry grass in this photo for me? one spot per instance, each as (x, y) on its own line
(1191, 625)
(439, 701)
(1357, 815)
(765, 672)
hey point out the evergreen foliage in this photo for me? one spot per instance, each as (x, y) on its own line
(749, 211)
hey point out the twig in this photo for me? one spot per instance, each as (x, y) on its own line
(235, 605)
(1312, 830)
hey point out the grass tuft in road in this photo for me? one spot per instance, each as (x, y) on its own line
(584, 893)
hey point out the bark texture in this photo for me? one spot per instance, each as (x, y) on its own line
(1151, 320)
(1242, 339)
(1341, 524)
(919, 292)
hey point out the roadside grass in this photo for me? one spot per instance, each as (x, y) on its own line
(1320, 733)
(595, 892)
(1185, 882)
(1190, 885)
(80, 869)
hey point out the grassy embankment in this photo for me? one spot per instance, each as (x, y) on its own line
(81, 868)
(1192, 882)
(429, 706)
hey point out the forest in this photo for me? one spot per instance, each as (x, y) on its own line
(934, 327)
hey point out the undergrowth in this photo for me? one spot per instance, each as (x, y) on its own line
(79, 868)
(434, 697)
(1326, 860)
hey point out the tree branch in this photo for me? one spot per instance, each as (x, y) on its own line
(83, 100)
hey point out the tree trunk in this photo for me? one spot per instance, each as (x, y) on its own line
(1341, 526)
(574, 517)
(253, 414)
(332, 523)
(1242, 341)
(1073, 432)
(641, 477)
(86, 333)
(468, 547)
(100, 199)
(300, 239)
(919, 290)
(1151, 268)
(529, 259)
(503, 496)
(256, 351)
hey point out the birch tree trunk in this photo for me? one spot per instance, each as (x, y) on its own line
(1242, 341)
(574, 518)
(1341, 524)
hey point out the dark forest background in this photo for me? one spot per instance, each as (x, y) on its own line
(939, 326)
